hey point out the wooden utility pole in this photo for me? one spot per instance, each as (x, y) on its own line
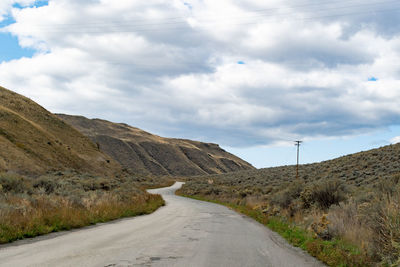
(297, 143)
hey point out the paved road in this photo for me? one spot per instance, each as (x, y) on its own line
(185, 233)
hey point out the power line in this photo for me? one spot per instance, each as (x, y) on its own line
(163, 21)
(188, 27)
(183, 25)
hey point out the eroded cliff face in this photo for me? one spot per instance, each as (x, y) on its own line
(146, 153)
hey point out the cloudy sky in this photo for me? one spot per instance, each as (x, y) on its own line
(250, 75)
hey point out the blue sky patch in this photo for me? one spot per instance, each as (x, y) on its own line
(10, 49)
(38, 3)
(7, 21)
(241, 62)
(41, 3)
(9, 46)
(372, 79)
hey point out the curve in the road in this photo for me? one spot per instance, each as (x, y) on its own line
(185, 232)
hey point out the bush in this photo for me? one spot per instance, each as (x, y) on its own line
(47, 184)
(13, 183)
(287, 196)
(323, 194)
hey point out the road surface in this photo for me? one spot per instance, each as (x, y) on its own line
(185, 232)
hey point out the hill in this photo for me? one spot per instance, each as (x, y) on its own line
(146, 153)
(359, 169)
(34, 141)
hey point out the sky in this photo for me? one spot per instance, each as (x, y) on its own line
(253, 76)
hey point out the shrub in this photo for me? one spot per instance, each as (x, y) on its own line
(287, 196)
(323, 194)
(12, 183)
(47, 184)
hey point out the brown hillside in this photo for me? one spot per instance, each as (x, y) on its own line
(360, 169)
(143, 152)
(34, 141)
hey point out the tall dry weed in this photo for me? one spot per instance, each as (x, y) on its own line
(384, 220)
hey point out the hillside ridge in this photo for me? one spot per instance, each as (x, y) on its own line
(146, 153)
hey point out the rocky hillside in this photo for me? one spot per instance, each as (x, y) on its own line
(146, 153)
(34, 141)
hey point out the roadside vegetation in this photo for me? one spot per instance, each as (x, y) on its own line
(345, 212)
(32, 206)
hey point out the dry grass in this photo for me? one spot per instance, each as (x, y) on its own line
(35, 206)
(384, 220)
(44, 214)
(347, 223)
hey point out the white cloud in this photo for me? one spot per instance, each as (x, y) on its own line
(6, 6)
(395, 140)
(173, 70)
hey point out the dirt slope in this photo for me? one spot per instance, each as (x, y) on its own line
(34, 141)
(147, 153)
